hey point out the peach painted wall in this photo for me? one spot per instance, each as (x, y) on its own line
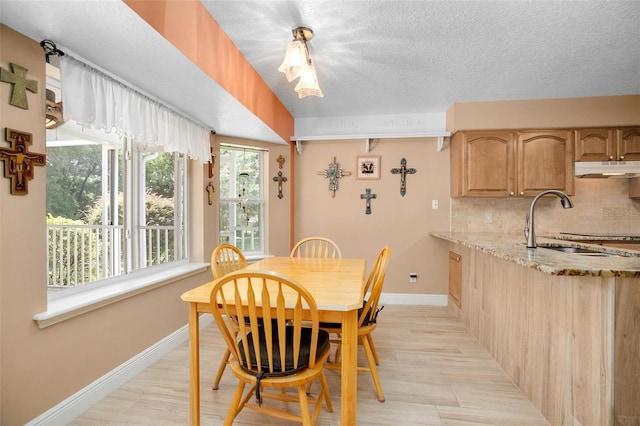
(545, 113)
(40, 368)
(600, 205)
(403, 223)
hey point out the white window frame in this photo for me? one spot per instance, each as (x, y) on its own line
(128, 244)
(233, 202)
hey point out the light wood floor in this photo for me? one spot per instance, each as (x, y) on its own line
(432, 371)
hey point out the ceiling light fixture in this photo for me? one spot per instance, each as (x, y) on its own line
(297, 64)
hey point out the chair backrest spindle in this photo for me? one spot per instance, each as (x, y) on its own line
(226, 258)
(316, 247)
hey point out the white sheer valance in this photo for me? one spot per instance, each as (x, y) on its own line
(95, 100)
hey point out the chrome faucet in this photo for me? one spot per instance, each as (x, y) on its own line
(529, 232)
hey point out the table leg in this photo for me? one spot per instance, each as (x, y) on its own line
(349, 374)
(194, 365)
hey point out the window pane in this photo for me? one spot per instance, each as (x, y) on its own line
(95, 198)
(241, 198)
(159, 222)
(84, 210)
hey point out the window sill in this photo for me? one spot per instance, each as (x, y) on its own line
(65, 307)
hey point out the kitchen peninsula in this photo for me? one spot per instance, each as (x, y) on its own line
(563, 326)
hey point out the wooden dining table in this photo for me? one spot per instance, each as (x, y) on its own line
(337, 286)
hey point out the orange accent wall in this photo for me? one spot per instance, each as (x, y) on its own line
(190, 28)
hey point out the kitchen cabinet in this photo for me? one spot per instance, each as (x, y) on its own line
(569, 342)
(608, 144)
(455, 278)
(634, 188)
(511, 163)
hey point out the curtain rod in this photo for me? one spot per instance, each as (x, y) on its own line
(70, 54)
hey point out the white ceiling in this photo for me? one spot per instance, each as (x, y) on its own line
(373, 57)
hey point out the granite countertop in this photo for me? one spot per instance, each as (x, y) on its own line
(512, 247)
(597, 237)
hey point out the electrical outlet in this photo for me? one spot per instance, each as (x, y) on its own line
(434, 204)
(488, 218)
(413, 277)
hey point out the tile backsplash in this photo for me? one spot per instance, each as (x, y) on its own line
(600, 206)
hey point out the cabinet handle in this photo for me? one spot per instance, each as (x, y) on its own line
(511, 193)
(611, 157)
(521, 192)
(622, 157)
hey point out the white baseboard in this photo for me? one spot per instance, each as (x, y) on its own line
(414, 299)
(72, 407)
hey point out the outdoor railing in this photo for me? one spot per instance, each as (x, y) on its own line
(81, 254)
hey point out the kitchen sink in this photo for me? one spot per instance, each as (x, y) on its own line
(578, 250)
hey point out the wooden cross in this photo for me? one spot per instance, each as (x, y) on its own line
(18, 161)
(368, 196)
(279, 179)
(333, 173)
(403, 171)
(18, 77)
(212, 162)
(210, 190)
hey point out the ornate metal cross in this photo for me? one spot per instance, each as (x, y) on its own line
(368, 196)
(333, 173)
(18, 77)
(279, 179)
(18, 161)
(403, 171)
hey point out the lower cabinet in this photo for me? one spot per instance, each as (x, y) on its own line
(570, 343)
(455, 278)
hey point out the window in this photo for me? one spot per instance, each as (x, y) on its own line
(111, 208)
(242, 198)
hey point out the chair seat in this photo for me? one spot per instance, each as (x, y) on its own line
(289, 368)
(337, 325)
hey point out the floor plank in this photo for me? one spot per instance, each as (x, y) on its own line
(432, 371)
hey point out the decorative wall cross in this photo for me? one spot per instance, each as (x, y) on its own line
(279, 179)
(333, 173)
(18, 161)
(367, 196)
(403, 171)
(210, 191)
(212, 162)
(18, 77)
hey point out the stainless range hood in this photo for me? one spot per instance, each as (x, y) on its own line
(607, 169)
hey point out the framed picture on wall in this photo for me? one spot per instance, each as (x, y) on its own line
(368, 167)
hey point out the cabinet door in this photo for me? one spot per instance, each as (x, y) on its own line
(634, 188)
(545, 161)
(629, 144)
(595, 144)
(455, 278)
(489, 164)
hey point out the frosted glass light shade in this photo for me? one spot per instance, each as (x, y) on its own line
(308, 83)
(294, 61)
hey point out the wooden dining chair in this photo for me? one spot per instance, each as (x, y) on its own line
(316, 247)
(225, 258)
(367, 321)
(278, 346)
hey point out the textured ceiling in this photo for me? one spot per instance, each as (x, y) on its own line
(373, 58)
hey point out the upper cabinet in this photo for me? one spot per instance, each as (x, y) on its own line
(511, 163)
(608, 144)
